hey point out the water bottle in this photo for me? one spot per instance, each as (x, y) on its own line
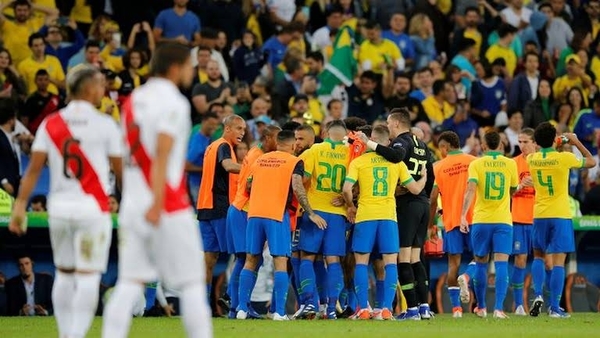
(561, 140)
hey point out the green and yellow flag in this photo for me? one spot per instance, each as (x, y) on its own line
(342, 67)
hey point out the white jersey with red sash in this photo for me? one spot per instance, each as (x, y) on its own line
(78, 141)
(155, 108)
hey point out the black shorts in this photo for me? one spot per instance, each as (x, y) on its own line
(413, 220)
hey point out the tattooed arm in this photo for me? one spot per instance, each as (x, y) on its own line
(300, 192)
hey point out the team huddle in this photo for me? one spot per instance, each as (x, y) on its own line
(332, 209)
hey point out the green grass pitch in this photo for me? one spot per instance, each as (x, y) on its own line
(580, 325)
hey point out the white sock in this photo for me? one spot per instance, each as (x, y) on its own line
(85, 303)
(195, 311)
(118, 311)
(62, 301)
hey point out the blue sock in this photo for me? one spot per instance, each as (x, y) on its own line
(344, 297)
(247, 282)
(352, 299)
(321, 281)
(501, 284)
(296, 278)
(335, 282)
(548, 277)
(518, 282)
(234, 282)
(379, 294)
(307, 282)
(281, 288)
(471, 270)
(361, 285)
(150, 294)
(273, 306)
(454, 293)
(537, 276)
(557, 283)
(389, 285)
(480, 284)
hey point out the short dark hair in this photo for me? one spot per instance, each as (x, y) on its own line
(127, 57)
(438, 86)
(39, 199)
(531, 54)
(506, 29)
(471, 9)
(92, 44)
(529, 132)
(466, 43)
(209, 115)
(285, 136)
(381, 130)
(291, 125)
(306, 127)
(331, 102)
(367, 130)
(401, 115)
(353, 123)
(451, 138)
(545, 134)
(8, 110)
(546, 4)
(203, 48)
(166, 55)
(334, 9)
(369, 74)
(209, 33)
(41, 72)
(292, 65)
(21, 3)
(425, 69)
(215, 104)
(372, 25)
(492, 139)
(335, 123)
(317, 56)
(34, 37)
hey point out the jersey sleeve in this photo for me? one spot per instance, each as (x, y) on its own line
(41, 143)
(571, 161)
(299, 168)
(473, 173)
(171, 119)
(223, 152)
(115, 145)
(352, 175)
(405, 176)
(514, 174)
(308, 159)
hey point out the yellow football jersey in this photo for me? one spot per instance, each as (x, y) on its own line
(496, 51)
(550, 173)
(494, 175)
(377, 179)
(377, 54)
(29, 67)
(326, 164)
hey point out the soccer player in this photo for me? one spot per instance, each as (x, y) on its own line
(493, 178)
(80, 145)
(217, 191)
(413, 210)
(275, 177)
(237, 215)
(375, 219)
(552, 222)
(451, 174)
(326, 165)
(522, 216)
(158, 232)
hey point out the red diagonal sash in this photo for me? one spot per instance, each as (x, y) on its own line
(76, 164)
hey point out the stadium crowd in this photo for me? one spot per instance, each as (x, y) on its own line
(472, 67)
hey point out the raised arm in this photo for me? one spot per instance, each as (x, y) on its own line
(590, 162)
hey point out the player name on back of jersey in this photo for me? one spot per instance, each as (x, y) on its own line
(456, 169)
(332, 155)
(544, 162)
(72, 122)
(419, 151)
(378, 159)
(494, 164)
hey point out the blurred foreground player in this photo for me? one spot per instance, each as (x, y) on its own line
(158, 232)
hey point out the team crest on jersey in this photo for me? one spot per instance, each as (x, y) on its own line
(397, 144)
(517, 245)
(499, 94)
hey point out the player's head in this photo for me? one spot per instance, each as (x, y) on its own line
(418, 132)
(269, 138)
(448, 141)
(492, 141)
(353, 123)
(286, 141)
(398, 121)
(544, 135)
(527, 141)
(381, 135)
(234, 129)
(174, 62)
(85, 82)
(336, 130)
(305, 138)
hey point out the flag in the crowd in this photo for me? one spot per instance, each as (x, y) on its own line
(342, 66)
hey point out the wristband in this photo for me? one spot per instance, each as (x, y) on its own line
(372, 145)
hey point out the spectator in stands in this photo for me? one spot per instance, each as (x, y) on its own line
(91, 56)
(470, 30)
(488, 100)
(131, 78)
(378, 54)
(335, 109)
(287, 88)
(258, 110)
(461, 122)
(39, 60)
(109, 104)
(467, 53)
(177, 24)
(281, 11)
(11, 85)
(437, 106)
(248, 59)
(203, 56)
(542, 108)
(502, 49)
(575, 77)
(422, 35)
(587, 127)
(334, 21)
(557, 33)
(424, 86)
(41, 103)
(241, 150)
(55, 46)
(523, 88)
(210, 39)
(578, 102)
(315, 62)
(198, 143)
(591, 202)
(512, 131)
(29, 293)
(397, 35)
(516, 15)
(113, 202)
(9, 170)
(581, 40)
(38, 203)
(401, 98)
(214, 90)
(23, 25)
(366, 99)
(275, 47)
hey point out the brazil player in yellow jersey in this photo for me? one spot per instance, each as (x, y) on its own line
(376, 223)
(325, 164)
(492, 180)
(552, 222)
